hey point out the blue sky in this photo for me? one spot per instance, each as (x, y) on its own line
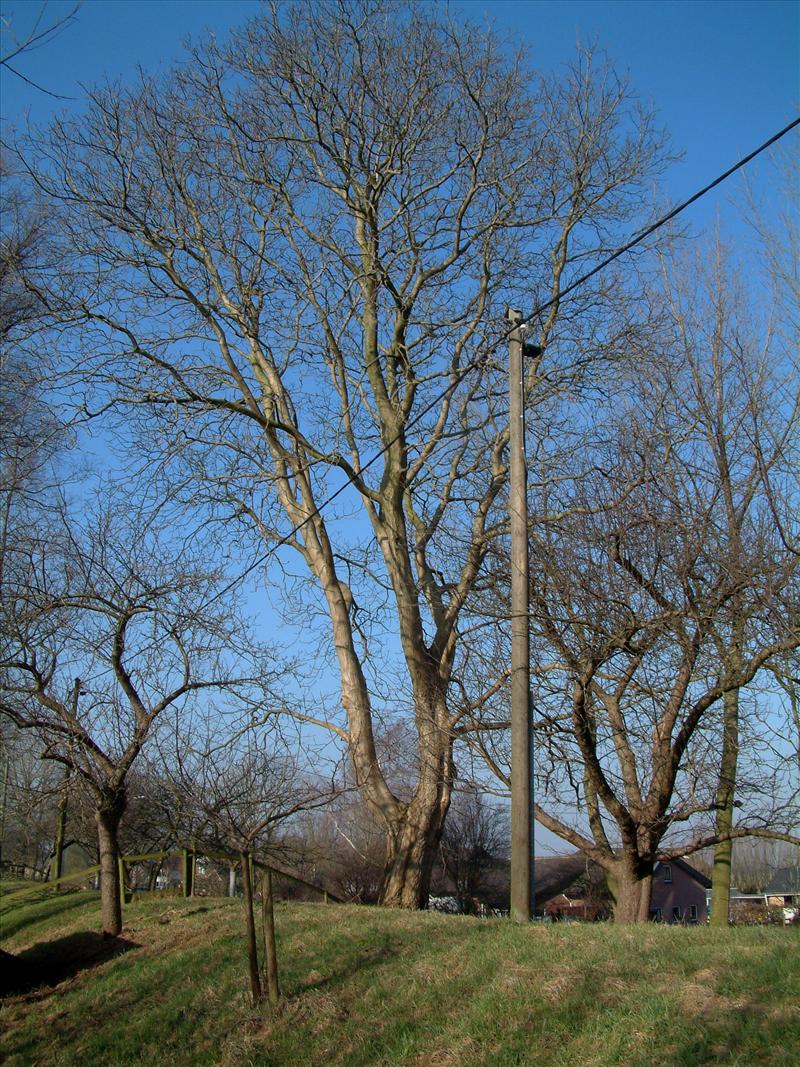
(723, 75)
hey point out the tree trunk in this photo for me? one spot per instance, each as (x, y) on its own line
(250, 923)
(412, 847)
(408, 876)
(631, 886)
(107, 818)
(723, 851)
(413, 829)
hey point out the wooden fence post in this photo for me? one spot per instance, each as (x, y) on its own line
(268, 929)
(121, 873)
(188, 873)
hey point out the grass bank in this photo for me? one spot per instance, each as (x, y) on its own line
(368, 987)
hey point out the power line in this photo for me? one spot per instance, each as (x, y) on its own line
(459, 378)
(639, 237)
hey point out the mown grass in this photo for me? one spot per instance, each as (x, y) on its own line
(369, 987)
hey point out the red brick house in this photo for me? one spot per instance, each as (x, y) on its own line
(679, 894)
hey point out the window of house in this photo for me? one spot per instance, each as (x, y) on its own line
(693, 912)
(667, 873)
(656, 915)
(676, 914)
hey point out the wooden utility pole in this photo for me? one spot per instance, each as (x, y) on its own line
(521, 799)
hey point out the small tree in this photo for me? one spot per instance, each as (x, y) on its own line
(243, 788)
(664, 581)
(475, 837)
(137, 621)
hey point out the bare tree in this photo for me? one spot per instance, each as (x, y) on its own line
(475, 837)
(245, 790)
(40, 32)
(297, 251)
(28, 794)
(664, 582)
(104, 629)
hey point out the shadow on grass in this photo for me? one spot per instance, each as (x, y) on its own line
(363, 960)
(19, 914)
(49, 962)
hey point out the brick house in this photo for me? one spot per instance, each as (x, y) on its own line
(679, 894)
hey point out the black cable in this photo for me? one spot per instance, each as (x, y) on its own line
(637, 239)
(662, 221)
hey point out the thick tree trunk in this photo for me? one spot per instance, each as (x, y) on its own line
(155, 871)
(631, 885)
(411, 854)
(412, 845)
(107, 818)
(723, 851)
(413, 829)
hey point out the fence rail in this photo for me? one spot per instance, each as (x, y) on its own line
(189, 858)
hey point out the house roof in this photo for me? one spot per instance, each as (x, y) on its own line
(554, 874)
(687, 868)
(785, 882)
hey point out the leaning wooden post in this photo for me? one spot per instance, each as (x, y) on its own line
(270, 951)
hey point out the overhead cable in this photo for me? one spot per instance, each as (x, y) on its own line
(472, 365)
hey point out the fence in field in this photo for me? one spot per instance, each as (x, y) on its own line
(189, 860)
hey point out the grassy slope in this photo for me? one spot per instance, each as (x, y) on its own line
(370, 987)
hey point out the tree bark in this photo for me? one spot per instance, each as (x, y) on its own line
(410, 856)
(155, 871)
(631, 886)
(107, 818)
(57, 866)
(413, 839)
(723, 850)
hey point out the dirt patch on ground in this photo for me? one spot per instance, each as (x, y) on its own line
(461, 1051)
(559, 984)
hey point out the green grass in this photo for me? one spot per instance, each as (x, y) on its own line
(372, 987)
